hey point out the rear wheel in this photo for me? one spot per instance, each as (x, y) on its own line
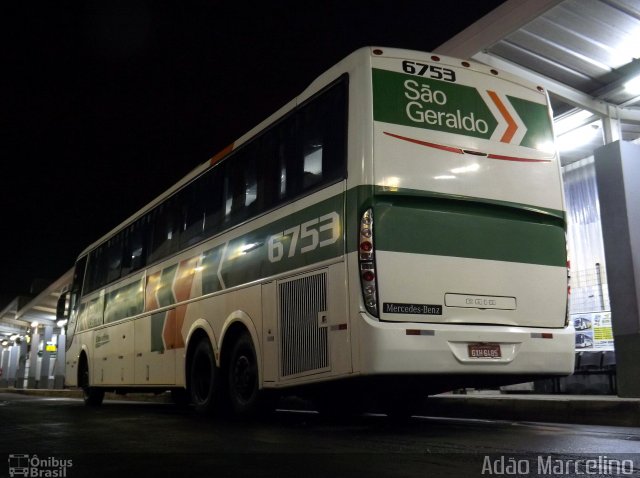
(203, 378)
(92, 396)
(245, 397)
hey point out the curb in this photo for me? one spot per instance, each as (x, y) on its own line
(584, 410)
(164, 397)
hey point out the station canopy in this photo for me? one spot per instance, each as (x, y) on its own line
(584, 52)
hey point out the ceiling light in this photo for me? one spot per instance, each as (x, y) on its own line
(633, 86)
(578, 137)
(571, 121)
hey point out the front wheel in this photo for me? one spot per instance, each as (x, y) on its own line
(92, 396)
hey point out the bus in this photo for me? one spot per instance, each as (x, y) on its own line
(396, 230)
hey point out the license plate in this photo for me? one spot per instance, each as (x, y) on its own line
(484, 351)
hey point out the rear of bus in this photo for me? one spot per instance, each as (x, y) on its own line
(462, 252)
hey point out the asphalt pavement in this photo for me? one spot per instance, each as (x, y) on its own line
(579, 409)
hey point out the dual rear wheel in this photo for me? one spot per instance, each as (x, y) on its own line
(234, 387)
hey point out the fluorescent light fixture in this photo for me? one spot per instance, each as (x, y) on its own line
(34, 324)
(578, 137)
(569, 122)
(633, 86)
(445, 176)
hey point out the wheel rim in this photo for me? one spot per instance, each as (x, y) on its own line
(244, 378)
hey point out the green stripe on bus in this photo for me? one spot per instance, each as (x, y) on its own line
(157, 326)
(473, 231)
(430, 104)
(246, 258)
(418, 222)
(470, 200)
(536, 119)
(165, 287)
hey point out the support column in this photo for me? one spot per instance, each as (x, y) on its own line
(13, 365)
(611, 125)
(46, 358)
(618, 176)
(32, 379)
(4, 366)
(58, 371)
(22, 364)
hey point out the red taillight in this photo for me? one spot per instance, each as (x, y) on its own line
(366, 260)
(368, 276)
(366, 246)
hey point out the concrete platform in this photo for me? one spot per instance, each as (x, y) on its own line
(580, 409)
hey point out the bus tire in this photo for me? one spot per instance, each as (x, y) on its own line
(245, 398)
(92, 396)
(203, 378)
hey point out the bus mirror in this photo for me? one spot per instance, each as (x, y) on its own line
(61, 308)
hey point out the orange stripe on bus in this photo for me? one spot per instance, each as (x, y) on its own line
(172, 331)
(153, 282)
(221, 154)
(513, 127)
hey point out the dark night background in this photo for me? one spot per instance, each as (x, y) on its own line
(109, 104)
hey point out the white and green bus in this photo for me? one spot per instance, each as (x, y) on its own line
(397, 229)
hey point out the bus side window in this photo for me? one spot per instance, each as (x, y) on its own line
(97, 271)
(242, 196)
(165, 233)
(192, 216)
(276, 156)
(323, 136)
(133, 247)
(114, 258)
(78, 281)
(213, 199)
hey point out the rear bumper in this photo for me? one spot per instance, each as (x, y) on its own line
(435, 349)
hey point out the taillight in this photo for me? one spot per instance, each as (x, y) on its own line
(366, 260)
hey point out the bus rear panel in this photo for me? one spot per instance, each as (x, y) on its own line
(468, 225)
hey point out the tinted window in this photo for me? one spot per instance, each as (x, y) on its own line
(323, 138)
(165, 230)
(304, 151)
(114, 258)
(133, 247)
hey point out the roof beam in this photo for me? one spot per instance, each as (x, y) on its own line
(4, 328)
(13, 323)
(564, 92)
(494, 26)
